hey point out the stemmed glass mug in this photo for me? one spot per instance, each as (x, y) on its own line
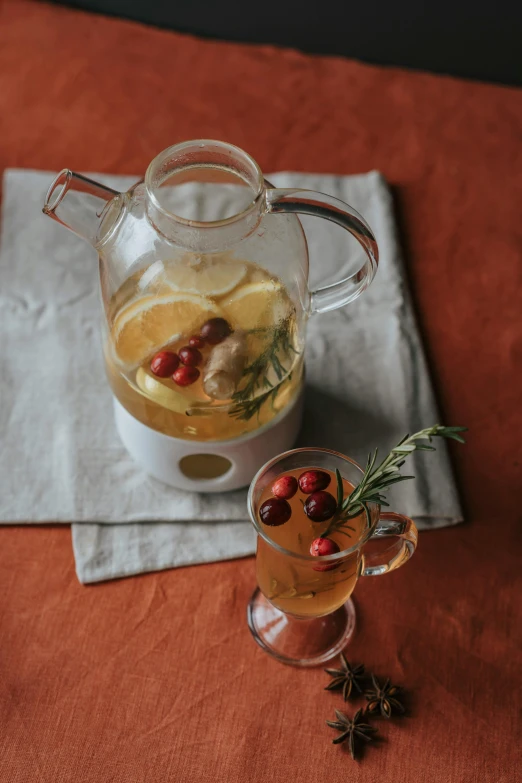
(301, 612)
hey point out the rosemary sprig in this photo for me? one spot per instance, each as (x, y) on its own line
(246, 403)
(377, 480)
(245, 409)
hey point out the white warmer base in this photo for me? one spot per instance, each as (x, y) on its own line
(160, 455)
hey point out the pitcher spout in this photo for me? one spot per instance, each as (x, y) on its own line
(84, 206)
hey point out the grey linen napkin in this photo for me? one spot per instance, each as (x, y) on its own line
(61, 461)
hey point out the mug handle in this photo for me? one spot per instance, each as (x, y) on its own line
(391, 525)
(309, 202)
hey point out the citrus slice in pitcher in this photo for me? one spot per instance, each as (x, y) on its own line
(147, 324)
(213, 277)
(257, 308)
(256, 305)
(161, 393)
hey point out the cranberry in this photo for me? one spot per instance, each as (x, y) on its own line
(285, 487)
(275, 511)
(190, 356)
(321, 547)
(184, 375)
(215, 330)
(313, 480)
(320, 506)
(164, 363)
(196, 342)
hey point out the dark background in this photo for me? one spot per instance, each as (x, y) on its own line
(478, 40)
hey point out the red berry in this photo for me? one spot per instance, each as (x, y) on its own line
(313, 481)
(196, 342)
(285, 487)
(215, 330)
(320, 506)
(190, 356)
(275, 511)
(321, 547)
(184, 375)
(164, 363)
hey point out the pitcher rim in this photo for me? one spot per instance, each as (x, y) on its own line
(258, 192)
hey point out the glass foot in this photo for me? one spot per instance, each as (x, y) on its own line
(299, 642)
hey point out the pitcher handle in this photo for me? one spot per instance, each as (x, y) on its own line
(309, 202)
(391, 525)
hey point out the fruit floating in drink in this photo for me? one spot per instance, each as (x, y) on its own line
(296, 512)
(204, 348)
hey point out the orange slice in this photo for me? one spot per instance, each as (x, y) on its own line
(256, 305)
(161, 393)
(147, 324)
(213, 276)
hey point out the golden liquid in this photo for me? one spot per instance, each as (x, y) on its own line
(294, 585)
(187, 412)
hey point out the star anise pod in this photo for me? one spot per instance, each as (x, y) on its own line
(383, 698)
(346, 677)
(351, 729)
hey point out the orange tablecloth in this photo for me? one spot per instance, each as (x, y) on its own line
(156, 678)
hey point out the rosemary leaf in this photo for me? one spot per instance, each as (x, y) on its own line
(377, 480)
(247, 400)
(340, 489)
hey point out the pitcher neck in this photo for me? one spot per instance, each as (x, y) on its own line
(86, 207)
(204, 195)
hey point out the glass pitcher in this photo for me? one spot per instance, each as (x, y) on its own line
(204, 282)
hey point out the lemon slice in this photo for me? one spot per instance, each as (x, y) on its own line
(129, 341)
(214, 276)
(147, 324)
(256, 305)
(160, 393)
